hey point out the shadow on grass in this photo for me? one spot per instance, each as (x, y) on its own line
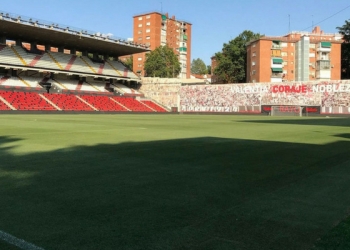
(201, 193)
(331, 121)
(345, 135)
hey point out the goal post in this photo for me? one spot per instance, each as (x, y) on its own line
(286, 110)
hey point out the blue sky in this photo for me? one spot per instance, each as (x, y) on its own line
(213, 22)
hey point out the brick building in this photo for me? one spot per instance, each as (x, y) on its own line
(298, 56)
(155, 29)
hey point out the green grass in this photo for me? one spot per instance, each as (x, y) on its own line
(175, 181)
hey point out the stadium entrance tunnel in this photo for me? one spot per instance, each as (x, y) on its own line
(183, 193)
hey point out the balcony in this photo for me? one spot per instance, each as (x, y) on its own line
(324, 47)
(277, 63)
(276, 75)
(276, 53)
(321, 49)
(323, 58)
(323, 74)
(323, 67)
(276, 46)
(164, 18)
(183, 50)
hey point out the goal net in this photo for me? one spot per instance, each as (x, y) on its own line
(286, 110)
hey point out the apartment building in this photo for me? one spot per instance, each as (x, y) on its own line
(297, 56)
(155, 29)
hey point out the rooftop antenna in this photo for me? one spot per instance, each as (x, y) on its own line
(288, 23)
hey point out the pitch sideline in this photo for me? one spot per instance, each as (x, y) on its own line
(22, 244)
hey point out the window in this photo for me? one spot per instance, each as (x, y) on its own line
(148, 37)
(284, 54)
(148, 23)
(285, 63)
(139, 59)
(254, 53)
(140, 18)
(139, 32)
(148, 30)
(140, 38)
(253, 63)
(140, 25)
(148, 16)
(253, 45)
(291, 53)
(253, 72)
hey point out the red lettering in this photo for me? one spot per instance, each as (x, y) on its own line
(275, 89)
(303, 88)
(287, 89)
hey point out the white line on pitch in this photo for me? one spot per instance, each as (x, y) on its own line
(22, 244)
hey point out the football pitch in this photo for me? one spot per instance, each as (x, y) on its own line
(96, 182)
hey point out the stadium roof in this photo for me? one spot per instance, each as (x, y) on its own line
(43, 33)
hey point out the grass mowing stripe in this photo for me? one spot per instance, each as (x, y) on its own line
(22, 244)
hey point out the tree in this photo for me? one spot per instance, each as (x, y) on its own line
(198, 67)
(345, 50)
(162, 62)
(232, 60)
(209, 69)
(129, 62)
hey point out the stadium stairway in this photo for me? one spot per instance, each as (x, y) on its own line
(153, 106)
(4, 105)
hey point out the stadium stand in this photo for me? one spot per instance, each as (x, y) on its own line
(132, 104)
(38, 77)
(3, 104)
(75, 85)
(26, 100)
(121, 69)
(125, 90)
(104, 103)
(58, 61)
(68, 102)
(153, 106)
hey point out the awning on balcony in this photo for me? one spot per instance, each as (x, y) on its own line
(277, 70)
(277, 60)
(326, 44)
